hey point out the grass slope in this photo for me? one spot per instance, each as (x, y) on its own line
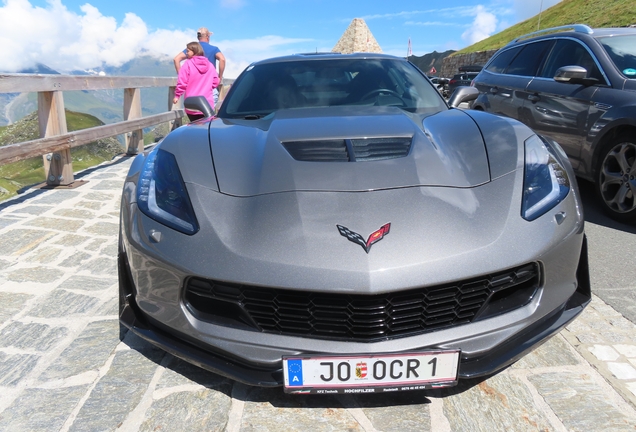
(18, 175)
(594, 13)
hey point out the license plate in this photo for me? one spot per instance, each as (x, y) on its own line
(370, 373)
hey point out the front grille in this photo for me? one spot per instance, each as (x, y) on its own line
(363, 318)
(348, 150)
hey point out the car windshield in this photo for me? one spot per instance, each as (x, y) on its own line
(622, 50)
(264, 88)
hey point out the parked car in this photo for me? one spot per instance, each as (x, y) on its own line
(441, 84)
(460, 79)
(576, 85)
(339, 228)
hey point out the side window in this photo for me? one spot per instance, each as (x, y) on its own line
(501, 61)
(568, 52)
(529, 59)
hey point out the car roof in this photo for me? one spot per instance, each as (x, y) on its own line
(576, 30)
(327, 56)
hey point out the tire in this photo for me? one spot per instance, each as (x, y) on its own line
(616, 178)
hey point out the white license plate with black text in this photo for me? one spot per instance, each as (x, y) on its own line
(370, 373)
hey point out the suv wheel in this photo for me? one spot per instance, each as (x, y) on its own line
(616, 181)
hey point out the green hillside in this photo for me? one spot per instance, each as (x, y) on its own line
(18, 175)
(594, 13)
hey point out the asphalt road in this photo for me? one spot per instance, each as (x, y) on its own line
(612, 255)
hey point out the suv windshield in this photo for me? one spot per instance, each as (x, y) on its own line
(622, 51)
(264, 88)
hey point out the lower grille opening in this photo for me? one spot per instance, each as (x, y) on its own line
(362, 318)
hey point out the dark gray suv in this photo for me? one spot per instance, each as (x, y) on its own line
(576, 85)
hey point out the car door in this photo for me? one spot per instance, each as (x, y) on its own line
(560, 110)
(506, 91)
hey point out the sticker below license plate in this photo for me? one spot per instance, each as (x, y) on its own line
(370, 373)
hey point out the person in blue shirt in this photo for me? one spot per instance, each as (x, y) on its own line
(213, 54)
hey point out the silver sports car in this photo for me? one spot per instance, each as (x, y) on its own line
(337, 227)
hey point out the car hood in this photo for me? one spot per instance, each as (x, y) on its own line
(252, 157)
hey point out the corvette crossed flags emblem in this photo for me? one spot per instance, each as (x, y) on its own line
(374, 237)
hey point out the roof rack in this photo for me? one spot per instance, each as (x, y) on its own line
(579, 28)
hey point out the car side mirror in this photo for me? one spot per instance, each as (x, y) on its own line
(199, 103)
(463, 94)
(574, 75)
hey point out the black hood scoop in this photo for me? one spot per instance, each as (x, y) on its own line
(349, 150)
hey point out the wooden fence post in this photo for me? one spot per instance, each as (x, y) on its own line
(58, 166)
(132, 110)
(172, 107)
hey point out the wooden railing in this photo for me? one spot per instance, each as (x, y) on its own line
(56, 142)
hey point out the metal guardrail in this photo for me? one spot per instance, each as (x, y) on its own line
(55, 137)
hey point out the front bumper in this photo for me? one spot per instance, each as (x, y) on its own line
(225, 364)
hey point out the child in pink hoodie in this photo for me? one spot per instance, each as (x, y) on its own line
(197, 77)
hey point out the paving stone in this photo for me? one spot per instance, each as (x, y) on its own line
(622, 371)
(179, 372)
(20, 241)
(76, 260)
(110, 307)
(10, 304)
(92, 205)
(626, 350)
(203, 410)
(101, 266)
(579, 402)
(14, 367)
(99, 196)
(4, 222)
(75, 213)
(88, 283)
(103, 228)
(31, 336)
(45, 255)
(89, 351)
(57, 224)
(62, 303)
(405, 411)
(35, 274)
(118, 392)
(32, 210)
(109, 185)
(111, 250)
(56, 196)
(96, 244)
(71, 240)
(501, 403)
(554, 352)
(41, 409)
(604, 352)
(271, 409)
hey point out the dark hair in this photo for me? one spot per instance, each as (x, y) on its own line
(196, 48)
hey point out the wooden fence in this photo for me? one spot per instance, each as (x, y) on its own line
(56, 142)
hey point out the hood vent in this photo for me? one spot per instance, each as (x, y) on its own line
(349, 150)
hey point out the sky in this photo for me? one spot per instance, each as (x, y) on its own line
(71, 35)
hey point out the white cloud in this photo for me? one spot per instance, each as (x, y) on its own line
(484, 25)
(66, 41)
(241, 52)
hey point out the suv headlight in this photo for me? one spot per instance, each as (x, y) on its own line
(161, 193)
(546, 182)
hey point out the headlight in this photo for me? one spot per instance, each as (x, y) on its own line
(546, 182)
(161, 193)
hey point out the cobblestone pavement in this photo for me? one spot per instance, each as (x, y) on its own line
(64, 368)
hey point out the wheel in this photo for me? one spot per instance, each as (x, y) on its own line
(616, 179)
(380, 91)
